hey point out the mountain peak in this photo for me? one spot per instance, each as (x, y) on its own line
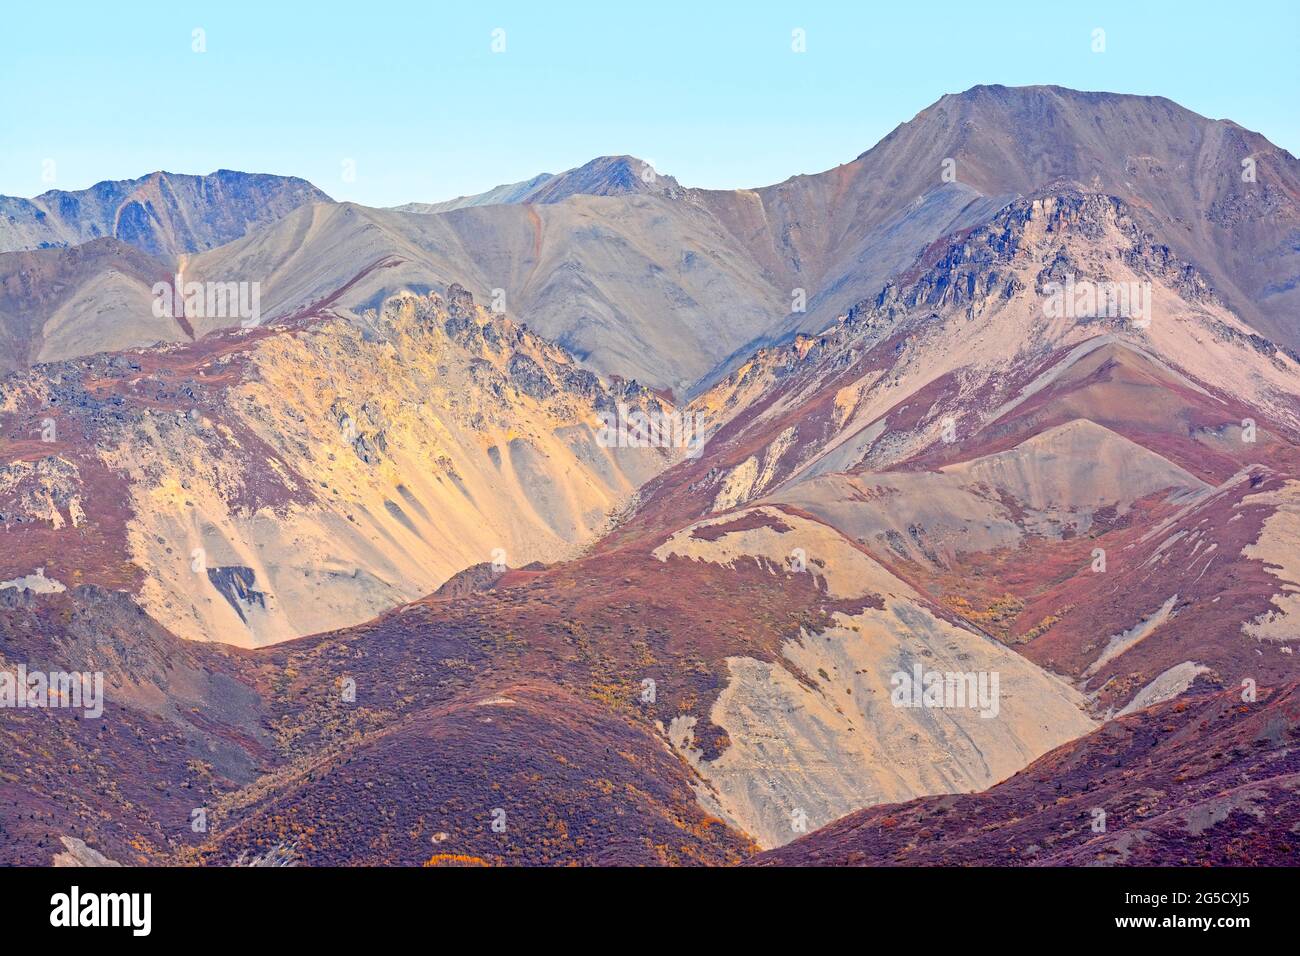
(616, 175)
(1046, 100)
(607, 176)
(163, 213)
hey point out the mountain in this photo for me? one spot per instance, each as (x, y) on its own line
(607, 176)
(1181, 170)
(1094, 432)
(642, 278)
(164, 214)
(984, 455)
(987, 475)
(261, 485)
(603, 176)
(628, 270)
(1005, 536)
(78, 269)
(629, 284)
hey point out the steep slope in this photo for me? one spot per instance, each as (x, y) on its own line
(61, 303)
(1183, 172)
(640, 277)
(841, 234)
(181, 723)
(586, 275)
(1061, 480)
(731, 688)
(529, 775)
(1204, 781)
(636, 275)
(447, 733)
(607, 176)
(267, 484)
(632, 285)
(1108, 495)
(817, 730)
(395, 741)
(164, 214)
(968, 342)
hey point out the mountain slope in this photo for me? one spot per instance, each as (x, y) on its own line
(182, 722)
(812, 732)
(262, 485)
(758, 586)
(1180, 171)
(164, 214)
(984, 451)
(1204, 781)
(640, 277)
(62, 303)
(630, 284)
(841, 235)
(1035, 449)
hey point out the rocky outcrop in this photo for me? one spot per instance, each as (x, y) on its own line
(323, 473)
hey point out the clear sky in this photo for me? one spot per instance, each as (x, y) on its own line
(414, 96)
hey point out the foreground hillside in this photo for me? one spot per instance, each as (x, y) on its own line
(1203, 781)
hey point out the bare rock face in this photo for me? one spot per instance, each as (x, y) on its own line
(163, 214)
(303, 479)
(76, 853)
(477, 577)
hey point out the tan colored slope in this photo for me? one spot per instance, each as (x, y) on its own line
(61, 303)
(817, 734)
(1051, 484)
(1077, 465)
(352, 472)
(109, 312)
(1278, 546)
(640, 286)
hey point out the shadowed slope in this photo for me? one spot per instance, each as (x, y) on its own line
(164, 214)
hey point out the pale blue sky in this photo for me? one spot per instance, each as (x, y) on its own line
(414, 95)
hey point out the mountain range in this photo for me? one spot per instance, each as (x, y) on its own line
(1014, 395)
